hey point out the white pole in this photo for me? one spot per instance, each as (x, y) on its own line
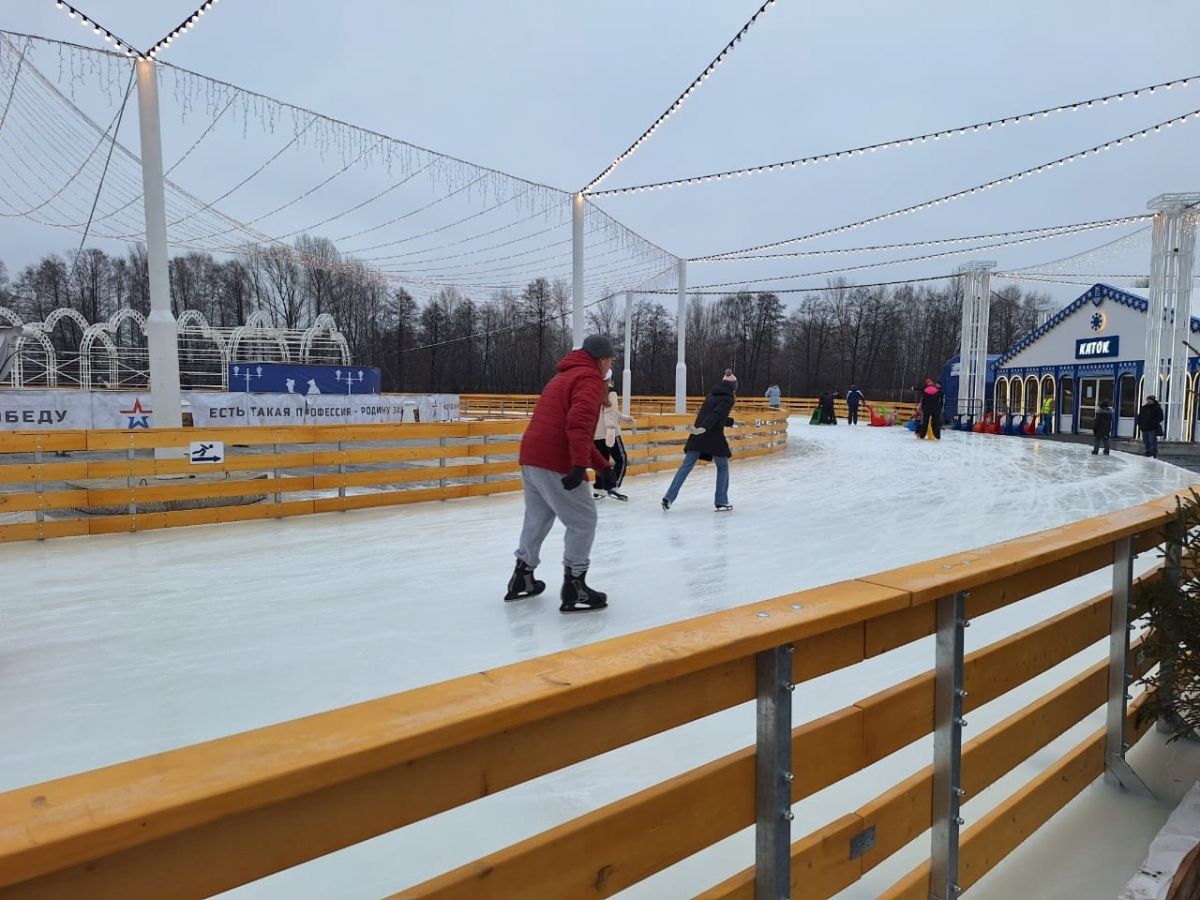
(162, 334)
(627, 373)
(681, 329)
(577, 268)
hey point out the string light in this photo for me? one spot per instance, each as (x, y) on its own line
(958, 195)
(97, 29)
(181, 28)
(679, 101)
(818, 290)
(891, 144)
(897, 262)
(1050, 230)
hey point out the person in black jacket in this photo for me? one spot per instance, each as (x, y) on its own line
(1102, 427)
(825, 402)
(708, 442)
(1150, 419)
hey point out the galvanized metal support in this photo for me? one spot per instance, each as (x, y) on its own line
(948, 726)
(486, 459)
(130, 482)
(442, 462)
(275, 474)
(1116, 770)
(39, 514)
(972, 356)
(342, 472)
(773, 776)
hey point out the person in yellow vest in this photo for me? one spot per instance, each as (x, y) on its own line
(1047, 414)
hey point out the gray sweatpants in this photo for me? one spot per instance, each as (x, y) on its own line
(546, 500)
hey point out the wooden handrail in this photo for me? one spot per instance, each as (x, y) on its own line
(379, 765)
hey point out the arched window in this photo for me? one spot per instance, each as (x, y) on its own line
(1001, 397)
(1030, 405)
(1066, 400)
(1128, 389)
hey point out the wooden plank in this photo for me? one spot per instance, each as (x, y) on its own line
(1001, 830)
(31, 531)
(388, 498)
(506, 467)
(395, 431)
(971, 570)
(499, 486)
(821, 866)
(249, 435)
(389, 476)
(26, 502)
(31, 441)
(240, 462)
(387, 454)
(25, 473)
(294, 784)
(507, 427)
(498, 448)
(627, 841)
(192, 490)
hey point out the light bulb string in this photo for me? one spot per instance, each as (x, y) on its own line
(179, 29)
(895, 262)
(812, 290)
(109, 35)
(958, 195)
(679, 101)
(896, 143)
(1068, 229)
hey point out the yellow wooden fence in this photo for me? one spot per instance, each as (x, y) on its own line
(206, 818)
(522, 404)
(112, 481)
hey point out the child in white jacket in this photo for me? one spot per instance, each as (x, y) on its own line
(610, 445)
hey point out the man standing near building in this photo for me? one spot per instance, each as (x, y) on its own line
(556, 451)
(1047, 414)
(1149, 420)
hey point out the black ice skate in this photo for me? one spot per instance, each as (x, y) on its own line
(523, 584)
(577, 596)
(666, 504)
(616, 495)
(725, 507)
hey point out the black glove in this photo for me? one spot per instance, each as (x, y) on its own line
(605, 480)
(575, 479)
(728, 423)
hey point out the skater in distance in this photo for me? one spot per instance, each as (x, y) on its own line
(708, 442)
(556, 451)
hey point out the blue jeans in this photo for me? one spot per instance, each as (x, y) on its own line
(1150, 439)
(721, 498)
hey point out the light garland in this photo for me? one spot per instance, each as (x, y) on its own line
(679, 101)
(816, 290)
(181, 28)
(897, 143)
(958, 195)
(123, 46)
(1047, 231)
(897, 262)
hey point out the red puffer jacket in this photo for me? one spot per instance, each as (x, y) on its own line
(559, 436)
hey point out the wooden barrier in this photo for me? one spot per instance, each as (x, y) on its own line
(207, 818)
(292, 470)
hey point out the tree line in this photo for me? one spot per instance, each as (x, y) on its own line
(880, 338)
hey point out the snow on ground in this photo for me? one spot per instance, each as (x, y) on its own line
(119, 646)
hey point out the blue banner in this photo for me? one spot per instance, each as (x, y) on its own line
(1097, 348)
(283, 378)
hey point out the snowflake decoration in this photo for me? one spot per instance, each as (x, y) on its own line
(1099, 320)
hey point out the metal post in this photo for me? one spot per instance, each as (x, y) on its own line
(773, 776)
(1116, 770)
(627, 373)
(442, 463)
(948, 724)
(39, 515)
(577, 210)
(972, 357)
(131, 480)
(1168, 318)
(681, 334)
(485, 459)
(278, 494)
(342, 472)
(162, 334)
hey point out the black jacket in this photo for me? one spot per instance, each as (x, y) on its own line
(713, 417)
(1149, 417)
(1102, 427)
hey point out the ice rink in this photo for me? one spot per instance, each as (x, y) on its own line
(119, 646)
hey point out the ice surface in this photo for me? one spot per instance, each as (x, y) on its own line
(118, 646)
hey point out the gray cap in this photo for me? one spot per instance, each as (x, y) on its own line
(598, 346)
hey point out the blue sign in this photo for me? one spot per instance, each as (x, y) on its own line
(1097, 348)
(282, 378)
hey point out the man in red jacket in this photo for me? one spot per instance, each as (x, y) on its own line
(556, 451)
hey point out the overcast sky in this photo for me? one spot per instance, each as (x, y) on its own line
(554, 91)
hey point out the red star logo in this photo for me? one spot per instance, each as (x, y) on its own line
(138, 417)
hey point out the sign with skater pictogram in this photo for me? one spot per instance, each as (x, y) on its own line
(206, 453)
